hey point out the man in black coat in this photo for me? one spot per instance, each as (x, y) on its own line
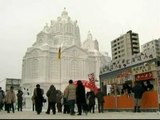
(138, 92)
(91, 98)
(19, 99)
(81, 98)
(38, 96)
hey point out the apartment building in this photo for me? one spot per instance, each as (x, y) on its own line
(125, 46)
(153, 45)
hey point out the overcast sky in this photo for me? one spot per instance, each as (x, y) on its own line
(22, 20)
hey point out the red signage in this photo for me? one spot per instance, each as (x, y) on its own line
(144, 76)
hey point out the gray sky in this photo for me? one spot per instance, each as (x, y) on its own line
(22, 20)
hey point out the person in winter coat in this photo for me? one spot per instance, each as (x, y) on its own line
(65, 104)
(70, 95)
(100, 98)
(2, 96)
(38, 96)
(10, 99)
(59, 100)
(138, 92)
(19, 100)
(81, 98)
(91, 98)
(51, 94)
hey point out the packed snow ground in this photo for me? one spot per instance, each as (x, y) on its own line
(26, 114)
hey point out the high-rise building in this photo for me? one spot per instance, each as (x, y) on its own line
(125, 46)
(153, 45)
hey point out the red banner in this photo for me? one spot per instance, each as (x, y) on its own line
(89, 85)
(144, 76)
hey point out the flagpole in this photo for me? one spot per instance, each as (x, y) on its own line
(60, 74)
(59, 58)
(61, 44)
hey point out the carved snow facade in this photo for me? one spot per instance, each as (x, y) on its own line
(42, 66)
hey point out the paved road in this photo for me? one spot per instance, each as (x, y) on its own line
(106, 115)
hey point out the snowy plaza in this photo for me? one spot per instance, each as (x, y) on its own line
(28, 114)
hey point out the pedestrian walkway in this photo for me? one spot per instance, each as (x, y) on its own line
(106, 115)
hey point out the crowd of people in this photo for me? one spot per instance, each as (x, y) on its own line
(8, 100)
(72, 95)
(66, 102)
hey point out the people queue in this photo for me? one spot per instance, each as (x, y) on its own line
(57, 101)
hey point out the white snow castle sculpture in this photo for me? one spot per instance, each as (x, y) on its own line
(42, 66)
